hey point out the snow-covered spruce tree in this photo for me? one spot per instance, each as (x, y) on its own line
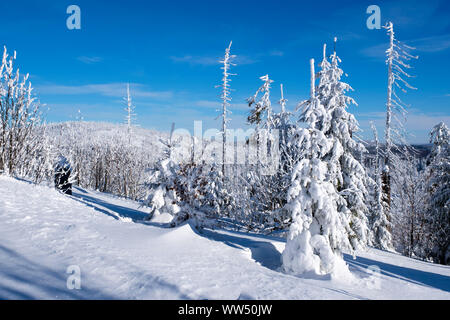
(207, 197)
(280, 181)
(380, 225)
(350, 177)
(226, 98)
(202, 191)
(320, 228)
(438, 176)
(261, 109)
(260, 116)
(19, 115)
(164, 191)
(282, 122)
(397, 58)
(189, 181)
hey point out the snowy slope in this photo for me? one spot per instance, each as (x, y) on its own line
(42, 232)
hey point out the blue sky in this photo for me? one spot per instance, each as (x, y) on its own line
(168, 52)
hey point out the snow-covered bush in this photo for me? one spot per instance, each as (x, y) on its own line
(163, 197)
(19, 116)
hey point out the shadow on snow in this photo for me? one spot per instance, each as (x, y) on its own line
(30, 280)
(265, 253)
(110, 209)
(415, 276)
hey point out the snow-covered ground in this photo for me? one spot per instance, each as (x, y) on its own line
(43, 232)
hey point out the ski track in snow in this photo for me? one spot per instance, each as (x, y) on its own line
(42, 232)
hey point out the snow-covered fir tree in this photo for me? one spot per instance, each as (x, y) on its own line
(203, 194)
(261, 117)
(438, 177)
(320, 229)
(280, 181)
(261, 108)
(282, 120)
(350, 177)
(164, 190)
(380, 225)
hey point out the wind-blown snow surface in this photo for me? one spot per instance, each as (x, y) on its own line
(42, 232)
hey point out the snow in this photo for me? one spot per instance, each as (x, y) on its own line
(122, 256)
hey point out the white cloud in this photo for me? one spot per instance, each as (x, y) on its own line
(207, 104)
(217, 105)
(428, 44)
(276, 53)
(196, 60)
(89, 60)
(210, 60)
(417, 124)
(431, 44)
(108, 89)
(377, 51)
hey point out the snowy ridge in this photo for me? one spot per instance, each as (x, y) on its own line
(120, 256)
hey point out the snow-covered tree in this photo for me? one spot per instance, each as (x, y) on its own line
(438, 176)
(261, 116)
(408, 205)
(397, 61)
(350, 177)
(320, 229)
(226, 98)
(19, 115)
(439, 138)
(281, 120)
(380, 225)
(37, 164)
(281, 180)
(261, 109)
(207, 197)
(164, 188)
(130, 111)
